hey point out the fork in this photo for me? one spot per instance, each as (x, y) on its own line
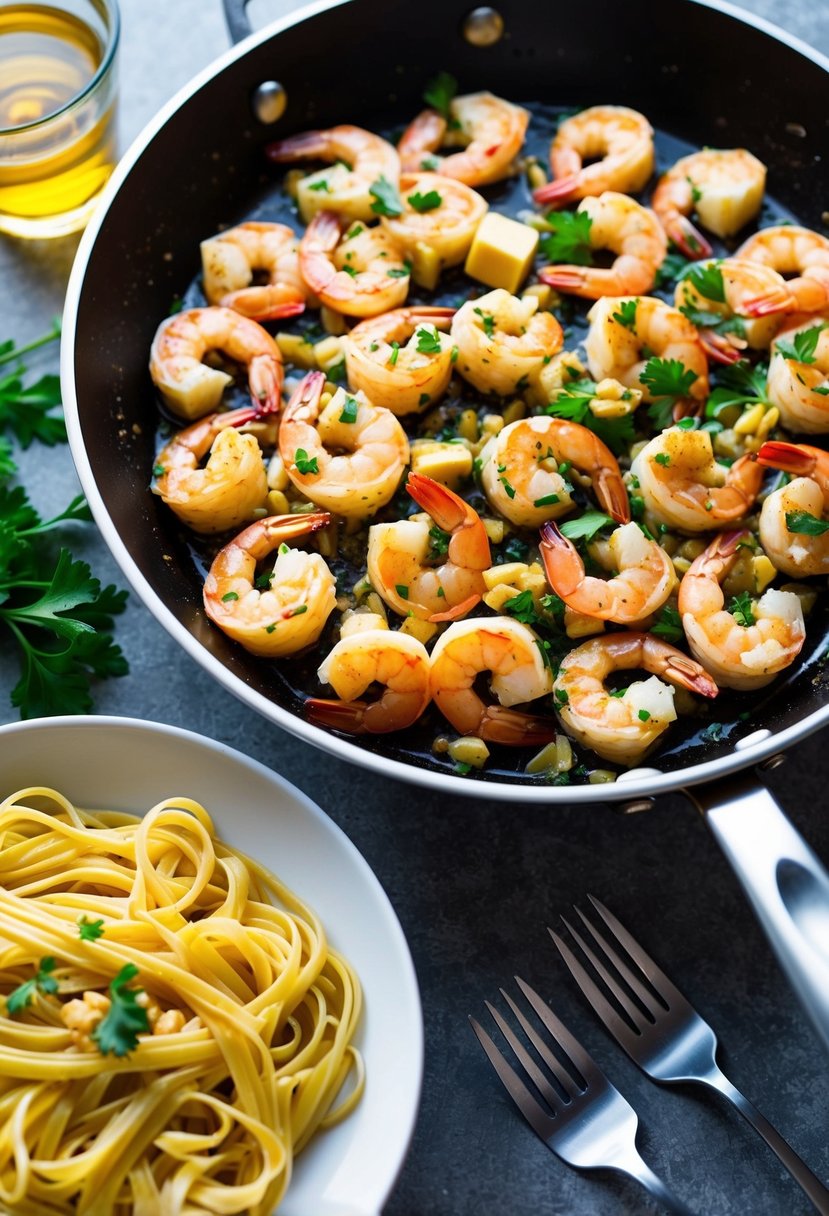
(589, 1125)
(666, 1036)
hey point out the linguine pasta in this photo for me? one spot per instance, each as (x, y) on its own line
(174, 1027)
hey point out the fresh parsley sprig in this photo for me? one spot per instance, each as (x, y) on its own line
(27, 410)
(573, 402)
(440, 91)
(568, 239)
(803, 346)
(41, 981)
(668, 380)
(386, 197)
(806, 524)
(117, 1033)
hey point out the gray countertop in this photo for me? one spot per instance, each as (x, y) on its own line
(476, 882)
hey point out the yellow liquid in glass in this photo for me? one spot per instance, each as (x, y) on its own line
(47, 58)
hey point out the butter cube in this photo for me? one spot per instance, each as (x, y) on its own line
(423, 631)
(448, 463)
(502, 252)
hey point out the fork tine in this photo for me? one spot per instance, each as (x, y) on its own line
(562, 1076)
(616, 1025)
(633, 981)
(586, 1065)
(539, 1121)
(666, 989)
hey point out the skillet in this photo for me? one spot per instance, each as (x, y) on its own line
(704, 74)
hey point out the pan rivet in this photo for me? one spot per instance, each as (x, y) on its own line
(483, 26)
(269, 101)
(636, 806)
(773, 762)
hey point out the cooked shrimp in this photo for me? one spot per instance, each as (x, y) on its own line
(371, 444)
(398, 662)
(629, 230)
(192, 389)
(620, 347)
(361, 275)
(231, 486)
(623, 728)
(622, 139)
(798, 387)
(489, 129)
(724, 185)
(799, 554)
(359, 160)
(789, 249)
(512, 653)
(642, 581)
(503, 341)
(399, 552)
(402, 376)
(448, 227)
(522, 472)
(230, 259)
(684, 486)
(292, 612)
(726, 287)
(739, 654)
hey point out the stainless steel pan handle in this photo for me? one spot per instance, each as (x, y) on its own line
(786, 884)
(236, 17)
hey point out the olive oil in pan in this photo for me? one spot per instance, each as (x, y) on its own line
(54, 155)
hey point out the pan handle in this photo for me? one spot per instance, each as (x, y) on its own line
(236, 17)
(786, 884)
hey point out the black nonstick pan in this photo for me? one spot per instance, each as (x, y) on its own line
(702, 74)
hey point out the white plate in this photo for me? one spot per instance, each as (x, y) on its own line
(128, 765)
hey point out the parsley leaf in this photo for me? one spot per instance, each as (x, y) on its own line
(741, 608)
(438, 542)
(439, 92)
(668, 380)
(739, 384)
(803, 346)
(522, 607)
(27, 411)
(424, 202)
(668, 625)
(118, 1032)
(707, 280)
(42, 981)
(305, 463)
(586, 526)
(569, 240)
(90, 930)
(672, 268)
(487, 320)
(349, 410)
(386, 197)
(573, 402)
(805, 523)
(627, 314)
(428, 341)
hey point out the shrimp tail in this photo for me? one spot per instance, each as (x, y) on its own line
(347, 716)
(459, 610)
(264, 303)
(297, 147)
(786, 456)
(512, 728)
(562, 564)
(325, 230)
(690, 675)
(563, 278)
(687, 238)
(265, 381)
(775, 301)
(722, 348)
(612, 495)
(559, 191)
(285, 527)
(446, 508)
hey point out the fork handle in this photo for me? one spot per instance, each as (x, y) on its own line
(798, 1169)
(642, 1172)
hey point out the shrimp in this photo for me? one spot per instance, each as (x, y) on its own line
(644, 580)
(231, 486)
(789, 249)
(621, 138)
(798, 386)
(744, 653)
(685, 488)
(522, 472)
(629, 230)
(726, 187)
(360, 160)
(490, 130)
(188, 386)
(512, 653)
(397, 661)
(620, 346)
(726, 287)
(401, 378)
(503, 341)
(796, 553)
(398, 554)
(372, 445)
(361, 275)
(447, 228)
(623, 728)
(230, 259)
(292, 612)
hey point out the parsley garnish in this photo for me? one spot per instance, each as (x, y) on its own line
(627, 314)
(805, 523)
(439, 92)
(117, 1033)
(741, 608)
(424, 202)
(644, 715)
(668, 625)
(573, 402)
(428, 342)
(662, 458)
(487, 320)
(400, 272)
(90, 930)
(673, 267)
(304, 463)
(522, 607)
(707, 280)
(548, 500)
(668, 380)
(569, 240)
(349, 410)
(802, 348)
(739, 384)
(586, 526)
(42, 981)
(229, 596)
(26, 411)
(395, 351)
(386, 197)
(438, 541)
(402, 590)
(322, 184)
(561, 695)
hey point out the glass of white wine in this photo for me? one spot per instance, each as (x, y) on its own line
(57, 112)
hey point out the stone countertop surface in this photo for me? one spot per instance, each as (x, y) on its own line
(475, 882)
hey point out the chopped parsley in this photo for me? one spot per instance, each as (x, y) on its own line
(662, 458)
(304, 463)
(400, 272)
(322, 184)
(439, 92)
(41, 981)
(741, 608)
(424, 202)
(668, 380)
(573, 402)
(803, 346)
(402, 590)
(627, 314)
(805, 523)
(586, 526)
(668, 624)
(438, 541)
(428, 342)
(561, 695)
(229, 596)
(673, 267)
(386, 197)
(118, 1032)
(644, 715)
(707, 280)
(569, 238)
(90, 930)
(487, 320)
(522, 607)
(395, 351)
(349, 410)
